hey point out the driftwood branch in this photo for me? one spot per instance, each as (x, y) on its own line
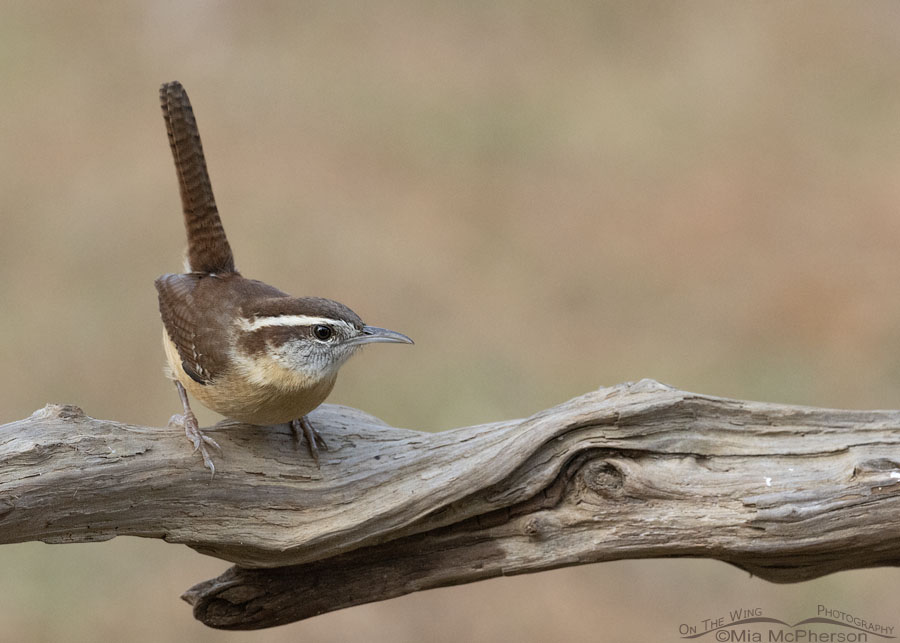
(634, 471)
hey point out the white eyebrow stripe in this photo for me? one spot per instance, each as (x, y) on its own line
(289, 320)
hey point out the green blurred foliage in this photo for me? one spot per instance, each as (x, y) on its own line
(548, 197)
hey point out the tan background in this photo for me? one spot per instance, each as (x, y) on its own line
(547, 198)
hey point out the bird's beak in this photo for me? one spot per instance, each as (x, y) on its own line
(373, 334)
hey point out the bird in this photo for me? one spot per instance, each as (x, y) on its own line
(243, 348)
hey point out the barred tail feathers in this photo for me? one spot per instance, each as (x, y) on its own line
(208, 249)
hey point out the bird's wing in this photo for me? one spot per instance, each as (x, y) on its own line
(201, 347)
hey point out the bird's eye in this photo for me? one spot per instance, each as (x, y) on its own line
(323, 332)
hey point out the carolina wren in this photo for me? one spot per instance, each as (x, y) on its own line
(243, 348)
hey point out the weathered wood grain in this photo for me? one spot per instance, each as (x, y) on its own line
(634, 471)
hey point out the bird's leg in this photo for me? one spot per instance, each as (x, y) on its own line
(313, 439)
(192, 429)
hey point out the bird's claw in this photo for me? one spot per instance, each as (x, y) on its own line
(188, 421)
(314, 440)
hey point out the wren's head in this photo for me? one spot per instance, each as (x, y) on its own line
(294, 343)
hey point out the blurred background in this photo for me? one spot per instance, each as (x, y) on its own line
(549, 197)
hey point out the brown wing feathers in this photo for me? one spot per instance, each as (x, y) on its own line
(208, 249)
(176, 306)
(198, 311)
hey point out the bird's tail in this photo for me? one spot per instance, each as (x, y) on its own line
(208, 250)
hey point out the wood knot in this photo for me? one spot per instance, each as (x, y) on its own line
(602, 477)
(62, 411)
(538, 528)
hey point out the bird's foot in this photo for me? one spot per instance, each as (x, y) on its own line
(188, 421)
(302, 426)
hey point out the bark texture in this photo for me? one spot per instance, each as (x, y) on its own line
(637, 470)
